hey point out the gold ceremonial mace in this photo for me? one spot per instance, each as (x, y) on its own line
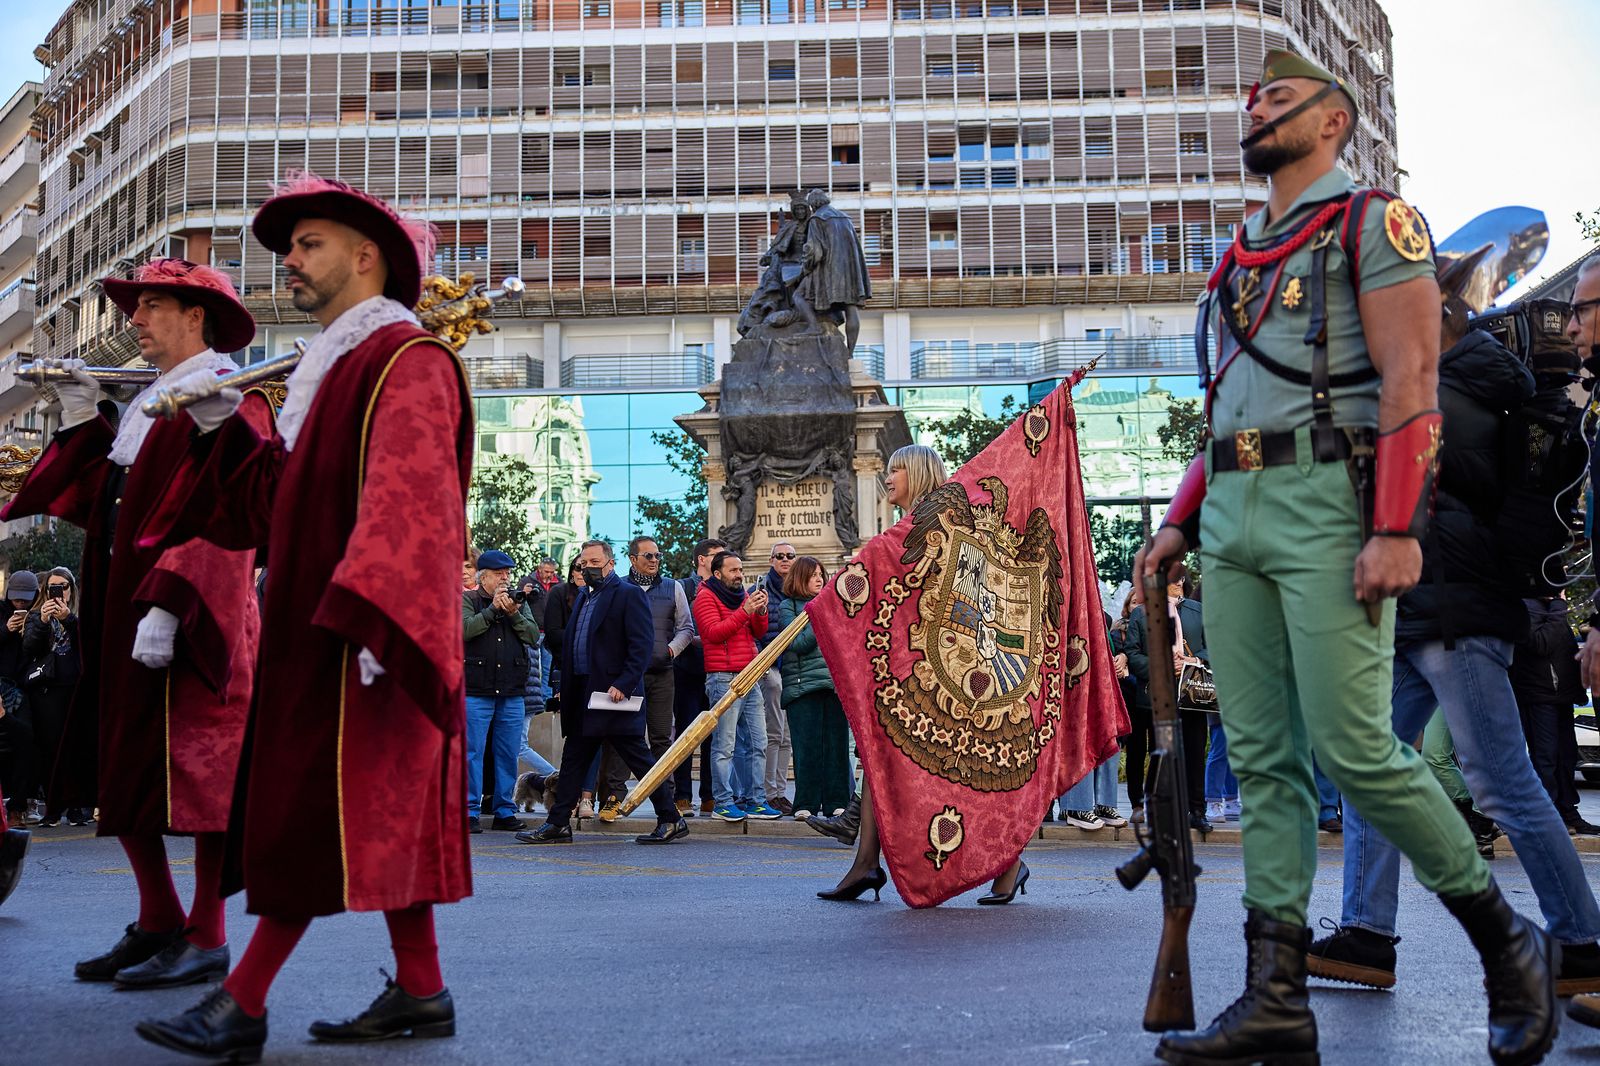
(705, 723)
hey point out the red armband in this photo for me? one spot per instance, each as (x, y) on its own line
(1183, 512)
(1408, 466)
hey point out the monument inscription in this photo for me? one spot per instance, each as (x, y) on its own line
(801, 513)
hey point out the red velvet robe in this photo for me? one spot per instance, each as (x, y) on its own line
(168, 741)
(352, 797)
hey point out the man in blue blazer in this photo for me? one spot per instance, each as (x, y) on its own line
(603, 659)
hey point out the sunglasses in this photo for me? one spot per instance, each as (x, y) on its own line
(648, 557)
(783, 556)
(57, 588)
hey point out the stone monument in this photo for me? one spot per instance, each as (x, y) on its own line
(796, 433)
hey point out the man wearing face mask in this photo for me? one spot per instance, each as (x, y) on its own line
(1327, 315)
(604, 655)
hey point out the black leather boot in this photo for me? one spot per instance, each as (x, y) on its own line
(1520, 963)
(13, 850)
(1272, 1022)
(1484, 831)
(841, 827)
(136, 946)
(216, 1027)
(394, 1013)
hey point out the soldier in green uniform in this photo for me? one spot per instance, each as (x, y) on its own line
(1317, 484)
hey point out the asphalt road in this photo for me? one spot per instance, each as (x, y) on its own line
(715, 950)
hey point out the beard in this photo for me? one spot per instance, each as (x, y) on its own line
(313, 296)
(1266, 159)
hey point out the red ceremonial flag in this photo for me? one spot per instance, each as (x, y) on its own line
(968, 647)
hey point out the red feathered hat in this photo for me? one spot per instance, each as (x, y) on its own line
(406, 243)
(232, 326)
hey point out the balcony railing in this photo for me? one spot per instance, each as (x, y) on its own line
(1058, 358)
(504, 372)
(666, 370)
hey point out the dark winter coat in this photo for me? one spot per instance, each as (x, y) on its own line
(496, 645)
(1545, 668)
(1466, 589)
(804, 670)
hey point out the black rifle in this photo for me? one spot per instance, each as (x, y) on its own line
(1166, 847)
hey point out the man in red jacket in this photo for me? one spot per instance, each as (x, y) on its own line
(729, 621)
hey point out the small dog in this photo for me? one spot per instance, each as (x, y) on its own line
(532, 786)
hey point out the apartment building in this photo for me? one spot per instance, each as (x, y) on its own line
(1035, 182)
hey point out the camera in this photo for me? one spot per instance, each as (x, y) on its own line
(520, 596)
(55, 594)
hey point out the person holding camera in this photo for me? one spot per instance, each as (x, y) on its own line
(18, 767)
(730, 621)
(498, 625)
(50, 643)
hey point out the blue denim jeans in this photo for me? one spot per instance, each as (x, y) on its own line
(1099, 787)
(545, 692)
(1470, 686)
(1220, 782)
(528, 757)
(1327, 793)
(494, 722)
(746, 720)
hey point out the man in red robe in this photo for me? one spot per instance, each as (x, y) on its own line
(353, 791)
(168, 634)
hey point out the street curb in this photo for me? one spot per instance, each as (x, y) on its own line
(1059, 834)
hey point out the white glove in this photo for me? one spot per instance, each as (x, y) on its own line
(153, 642)
(78, 396)
(370, 669)
(212, 411)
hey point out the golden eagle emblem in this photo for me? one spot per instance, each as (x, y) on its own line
(1404, 227)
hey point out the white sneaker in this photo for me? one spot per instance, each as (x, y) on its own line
(801, 815)
(1232, 810)
(1215, 812)
(1109, 815)
(1086, 820)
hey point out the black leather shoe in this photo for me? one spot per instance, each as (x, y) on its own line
(664, 833)
(136, 946)
(843, 827)
(1520, 964)
(394, 1013)
(1000, 899)
(1197, 822)
(1358, 956)
(13, 851)
(546, 834)
(215, 1028)
(508, 824)
(179, 963)
(474, 826)
(1272, 1021)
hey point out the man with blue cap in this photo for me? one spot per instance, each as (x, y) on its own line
(499, 629)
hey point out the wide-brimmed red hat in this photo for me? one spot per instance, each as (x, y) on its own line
(232, 327)
(406, 243)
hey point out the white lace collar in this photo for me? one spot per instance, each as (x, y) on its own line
(135, 424)
(325, 349)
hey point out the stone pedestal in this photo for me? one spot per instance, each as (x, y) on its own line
(802, 513)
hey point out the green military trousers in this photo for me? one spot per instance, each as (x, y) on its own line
(1299, 667)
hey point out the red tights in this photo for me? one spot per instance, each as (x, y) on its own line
(159, 909)
(416, 956)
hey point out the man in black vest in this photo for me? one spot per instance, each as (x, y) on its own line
(498, 631)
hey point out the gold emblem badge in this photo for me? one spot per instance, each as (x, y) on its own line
(1249, 289)
(1247, 449)
(945, 835)
(1292, 294)
(1406, 231)
(1035, 428)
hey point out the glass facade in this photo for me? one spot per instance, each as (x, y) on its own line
(594, 454)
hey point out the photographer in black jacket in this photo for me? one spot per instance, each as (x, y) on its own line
(498, 626)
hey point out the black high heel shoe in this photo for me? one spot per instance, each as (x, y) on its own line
(875, 881)
(995, 899)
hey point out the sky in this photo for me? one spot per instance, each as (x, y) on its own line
(1497, 105)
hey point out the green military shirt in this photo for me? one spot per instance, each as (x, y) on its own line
(1247, 395)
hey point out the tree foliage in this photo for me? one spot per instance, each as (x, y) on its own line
(500, 506)
(1589, 225)
(44, 547)
(963, 435)
(677, 524)
(1183, 431)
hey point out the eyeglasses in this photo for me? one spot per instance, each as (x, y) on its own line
(648, 557)
(1573, 310)
(783, 557)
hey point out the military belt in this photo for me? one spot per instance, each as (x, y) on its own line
(1251, 449)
